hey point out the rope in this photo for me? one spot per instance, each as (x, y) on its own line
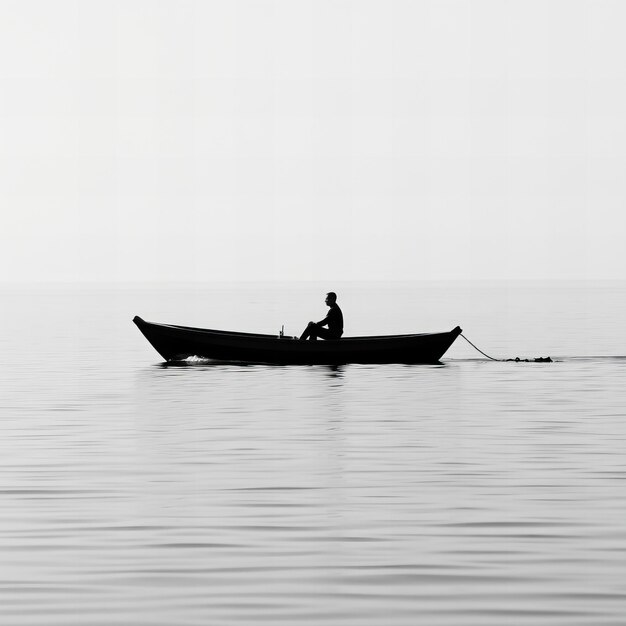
(479, 350)
(545, 359)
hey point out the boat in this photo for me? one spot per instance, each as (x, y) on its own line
(177, 343)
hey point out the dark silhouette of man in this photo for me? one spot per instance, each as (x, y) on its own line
(334, 321)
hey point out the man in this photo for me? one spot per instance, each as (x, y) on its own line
(334, 321)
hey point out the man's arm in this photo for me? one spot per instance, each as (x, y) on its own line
(324, 322)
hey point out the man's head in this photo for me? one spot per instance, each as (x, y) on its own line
(331, 298)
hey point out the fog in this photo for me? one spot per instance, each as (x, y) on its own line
(310, 140)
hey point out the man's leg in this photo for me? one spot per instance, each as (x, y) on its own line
(324, 333)
(313, 331)
(310, 332)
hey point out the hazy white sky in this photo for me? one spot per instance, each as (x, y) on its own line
(323, 139)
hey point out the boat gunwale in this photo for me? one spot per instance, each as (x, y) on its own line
(332, 342)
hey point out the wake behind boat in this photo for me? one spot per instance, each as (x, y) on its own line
(176, 343)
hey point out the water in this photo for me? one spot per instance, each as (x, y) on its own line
(471, 492)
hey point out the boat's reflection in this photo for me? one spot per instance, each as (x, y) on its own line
(333, 371)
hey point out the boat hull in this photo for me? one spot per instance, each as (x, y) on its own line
(176, 343)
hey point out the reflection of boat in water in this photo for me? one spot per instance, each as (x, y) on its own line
(175, 343)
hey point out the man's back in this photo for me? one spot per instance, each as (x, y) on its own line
(335, 320)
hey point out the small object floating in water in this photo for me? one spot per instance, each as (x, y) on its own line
(176, 343)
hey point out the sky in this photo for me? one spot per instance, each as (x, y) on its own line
(260, 140)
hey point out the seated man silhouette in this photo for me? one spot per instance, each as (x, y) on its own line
(334, 321)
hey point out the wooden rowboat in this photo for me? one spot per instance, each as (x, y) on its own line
(176, 343)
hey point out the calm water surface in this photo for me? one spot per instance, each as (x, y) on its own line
(471, 492)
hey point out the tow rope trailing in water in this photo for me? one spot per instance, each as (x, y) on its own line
(539, 359)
